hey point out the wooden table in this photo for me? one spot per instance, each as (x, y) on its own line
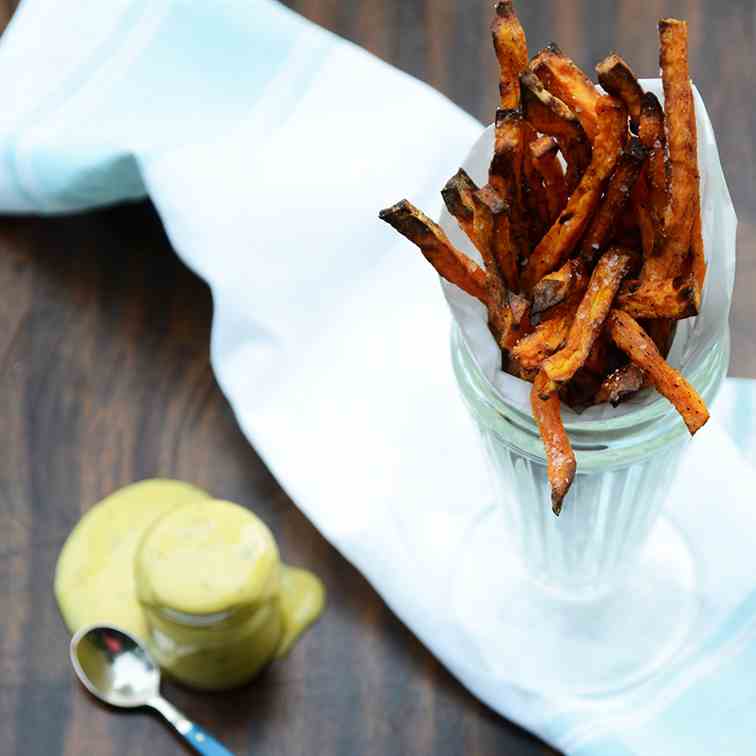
(105, 379)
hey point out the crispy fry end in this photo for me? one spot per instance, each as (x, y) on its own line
(448, 261)
(617, 78)
(557, 286)
(560, 458)
(566, 81)
(511, 50)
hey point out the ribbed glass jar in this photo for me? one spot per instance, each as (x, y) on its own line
(625, 467)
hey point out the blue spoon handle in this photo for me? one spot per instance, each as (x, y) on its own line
(204, 743)
(194, 735)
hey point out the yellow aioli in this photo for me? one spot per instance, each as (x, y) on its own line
(301, 602)
(208, 556)
(198, 579)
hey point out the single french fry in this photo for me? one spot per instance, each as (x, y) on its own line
(683, 162)
(698, 259)
(618, 79)
(448, 261)
(569, 83)
(621, 384)
(674, 298)
(549, 115)
(617, 195)
(679, 113)
(458, 198)
(557, 286)
(564, 234)
(653, 138)
(505, 175)
(511, 51)
(560, 458)
(543, 153)
(502, 247)
(497, 301)
(589, 318)
(640, 348)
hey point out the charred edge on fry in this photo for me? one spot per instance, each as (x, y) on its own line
(454, 193)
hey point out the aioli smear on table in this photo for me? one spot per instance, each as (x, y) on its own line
(199, 580)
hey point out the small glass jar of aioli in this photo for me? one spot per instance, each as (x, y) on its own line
(208, 577)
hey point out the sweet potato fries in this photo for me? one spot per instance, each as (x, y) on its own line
(588, 230)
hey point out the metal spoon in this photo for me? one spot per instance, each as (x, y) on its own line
(113, 666)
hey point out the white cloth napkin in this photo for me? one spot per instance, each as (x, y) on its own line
(268, 146)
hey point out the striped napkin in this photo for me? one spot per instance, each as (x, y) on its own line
(268, 145)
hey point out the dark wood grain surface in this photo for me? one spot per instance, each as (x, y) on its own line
(105, 379)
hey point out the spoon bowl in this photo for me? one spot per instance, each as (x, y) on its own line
(116, 668)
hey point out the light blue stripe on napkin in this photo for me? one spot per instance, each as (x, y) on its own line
(695, 723)
(718, 729)
(124, 101)
(701, 704)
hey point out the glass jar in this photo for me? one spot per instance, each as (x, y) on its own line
(627, 461)
(625, 467)
(596, 600)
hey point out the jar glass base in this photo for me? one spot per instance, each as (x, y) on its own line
(543, 642)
